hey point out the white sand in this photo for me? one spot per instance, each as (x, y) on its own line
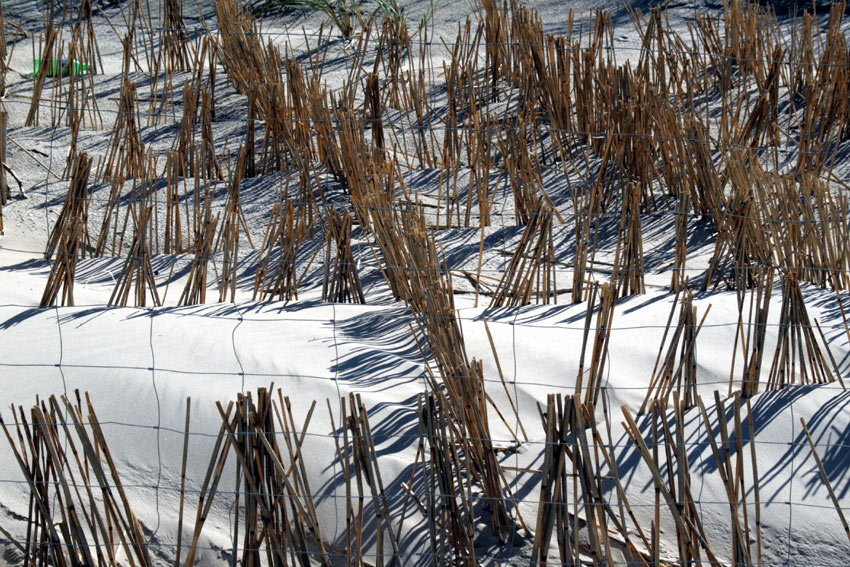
(140, 364)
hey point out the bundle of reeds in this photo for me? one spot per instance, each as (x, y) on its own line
(678, 371)
(112, 229)
(327, 148)
(228, 237)
(359, 461)
(208, 163)
(75, 116)
(628, 273)
(174, 38)
(47, 54)
(741, 246)
(195, 291)
(184, 139)
(274, 499)
(297, 122)
(173, 237)
(762, 124)
(803, 223)
(245, 60)
(394, 45)
(69, 238)
(277, 263)
(418, 96)
(572, 466)
(109, 222)
(679, 277)
(466, 401)
(88, 48)
(586, 222)
(416, 275)
(798, 357)
(707, 190)
(368, 176)
(137, 271)
(497, 41)
(161, 94)
(753, 342)
(531, 270)
(590, 385)
(523, 172)
(142, 32)
(825, 119)
(77, 101)
(79, 512)
(341, 282)
(125, 154)
(448, 506)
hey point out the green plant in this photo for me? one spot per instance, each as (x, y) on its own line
(389, 8)
(344, 14)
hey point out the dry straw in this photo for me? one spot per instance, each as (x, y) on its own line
(69, 238)
(341, 281)
(79, 512)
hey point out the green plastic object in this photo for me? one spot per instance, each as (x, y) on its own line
(60, 67)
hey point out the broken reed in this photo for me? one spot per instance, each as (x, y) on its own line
(79, 511)
(69, 237)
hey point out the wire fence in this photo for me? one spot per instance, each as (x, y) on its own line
(391, 126)
(167, 487)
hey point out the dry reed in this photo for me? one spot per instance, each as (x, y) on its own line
(79, 512)
(69, 238)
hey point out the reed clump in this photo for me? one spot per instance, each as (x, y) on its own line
(69, 239)
(80, 513)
